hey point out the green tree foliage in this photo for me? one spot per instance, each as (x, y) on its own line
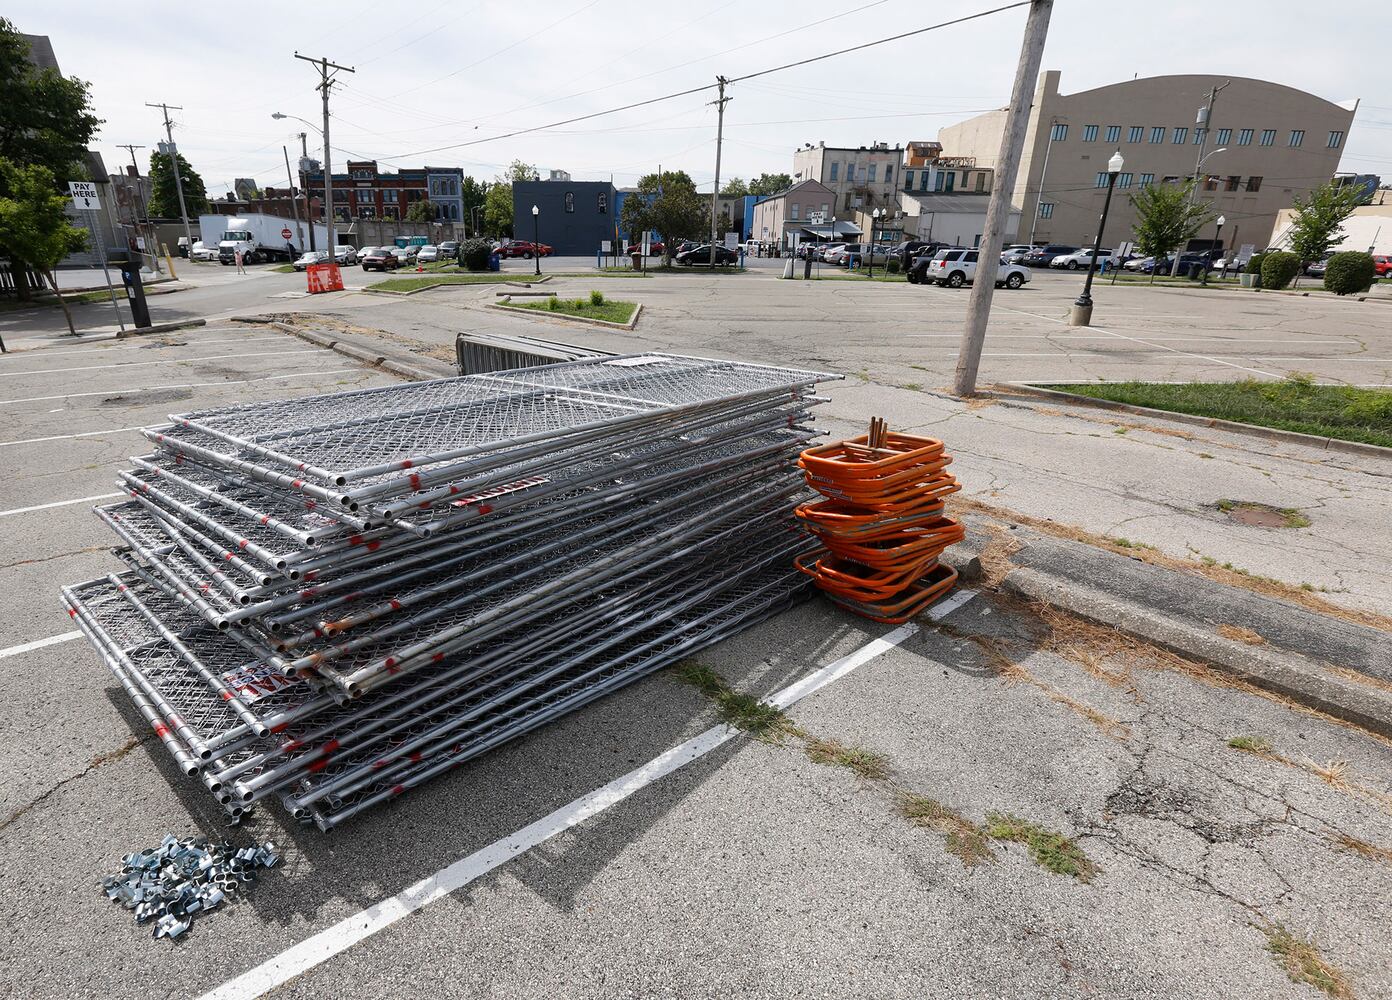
(667, 203)
(474, 254)
(1348, 273)
(519, 171)
(473, 193)
(33, 227)
(735, 187)
(1319, 220)
(1166, 219)
(421, 211)
(497, 209)
(164, 195)
(770, 183)
(1278, 268)
(45, 118)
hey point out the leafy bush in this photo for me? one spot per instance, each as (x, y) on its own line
(1370, 408)
(1279, 268)
(1254, 265)
(553, 303)
(596, 298)
(1347, 273)
(579, 305)
(474, 254)
(892, 265)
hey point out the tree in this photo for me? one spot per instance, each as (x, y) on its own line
(497, 209)
(45, 118)
(519, 171)
(770, 183)
(669, 204)
(164, 195)
(1166, 219)
(421, 211)
(473, 194)
(735, 187)
(34, 230)
(1319, 220)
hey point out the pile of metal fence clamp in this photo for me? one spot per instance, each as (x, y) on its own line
(329, 600)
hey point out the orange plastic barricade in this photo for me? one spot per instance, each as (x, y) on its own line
(324, 278)
(881, 525)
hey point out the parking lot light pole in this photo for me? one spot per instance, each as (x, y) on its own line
(1081, 313)
(1217, 235)
(536, 239)
(870, 247)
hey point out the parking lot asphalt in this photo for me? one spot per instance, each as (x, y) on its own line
(744, 866)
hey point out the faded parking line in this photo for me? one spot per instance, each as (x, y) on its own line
(164, 361)
(28, 647)
(65, 437)
(179, 385)
(59, 503)
(339, 937)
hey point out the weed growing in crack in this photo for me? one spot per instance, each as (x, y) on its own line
(964, 838)
(1251, 744)
(1242, 634)
(1362, 848)
(1303, 962)
(868, 764)
(1048, 848)
(743, 711)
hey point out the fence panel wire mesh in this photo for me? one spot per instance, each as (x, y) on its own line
(328, 601)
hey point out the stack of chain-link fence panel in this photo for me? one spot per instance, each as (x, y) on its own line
(329, 600)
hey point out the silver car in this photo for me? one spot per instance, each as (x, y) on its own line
(428, 254)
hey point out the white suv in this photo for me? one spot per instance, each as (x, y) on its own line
(955, 268)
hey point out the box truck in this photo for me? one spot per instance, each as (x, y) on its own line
(260, 237)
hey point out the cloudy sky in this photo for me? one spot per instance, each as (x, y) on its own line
(438, 82)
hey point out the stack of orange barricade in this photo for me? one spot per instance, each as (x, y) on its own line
(882, 523)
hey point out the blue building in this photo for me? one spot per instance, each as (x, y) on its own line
(575, 217)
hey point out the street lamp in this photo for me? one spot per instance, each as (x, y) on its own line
(1081, 313)
(870, 247)
(536, 239)
(1217, 235)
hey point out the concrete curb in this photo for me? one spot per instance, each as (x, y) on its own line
(560, 317)
(456, 284)
(1250, 430)
(159, 328)
(1182, 612)
(406, 366)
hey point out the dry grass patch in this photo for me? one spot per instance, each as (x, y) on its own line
(1303, 962)
(995, 556)
(1362, 848)
(1239, 634)
(1258, 746)
(868, 764)
(965, 839)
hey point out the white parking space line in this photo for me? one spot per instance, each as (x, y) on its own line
(153, 346)
(338, 938)
(179, 385)
(1230, 341)
(68, 437)
(28, 647)
(163, 361)
(59, 503)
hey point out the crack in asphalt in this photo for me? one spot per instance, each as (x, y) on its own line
(97, 761)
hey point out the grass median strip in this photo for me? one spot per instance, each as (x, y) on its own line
(429, 280)
(1296, 403)
(594, 307)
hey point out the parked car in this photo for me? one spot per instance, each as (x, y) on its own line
(841, 255)
(345, 256)
(449, 249)
(702, 255)
(654, 249)
(428, 254)
(823, 251)
(405, 256)
(918, 269)
(1081, 259)
(309, 257)
(1382, 265)
(201, 251)
(1043, 256)
(524, 249)
(955, 268)
(380, 259)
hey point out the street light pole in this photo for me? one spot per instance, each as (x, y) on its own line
(870, 247)
(1081, 313)
(536, 239)
(1217, 235)
(1043, 173)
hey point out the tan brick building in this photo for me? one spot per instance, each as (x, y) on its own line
(1278, 142)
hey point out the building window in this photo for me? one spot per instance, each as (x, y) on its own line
(1089, 133)
(1136, 133)
(364, 211)
(793, 210)
(1224, 135)
(603, 200)
(1123, 180)
(889, 173)
(1170, 179)
(1244, 137)
(1046, 209)
(1254, 183)
(389, 197)
(1181, 136)
(1233, 183)
(1210, 182)
(1336, 139)
(1200, 134)
(1147, 180)
(1101, 179)
(860, 174)
(908, 180)
(1157, 133)
(1268, 137)
(923, 180)
(570, 201)
(1114, 133)
(1297, 137)
(1060, 132)
(835, 172)
(980, 182)
(824, 209)
(872, 172)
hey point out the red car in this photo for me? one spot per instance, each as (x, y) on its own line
(656, 248)
(1382, 264)
(525, 248)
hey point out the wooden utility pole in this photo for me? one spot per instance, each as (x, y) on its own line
(174, 162)
(998, 209)
(325, 83)
(719, 103)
